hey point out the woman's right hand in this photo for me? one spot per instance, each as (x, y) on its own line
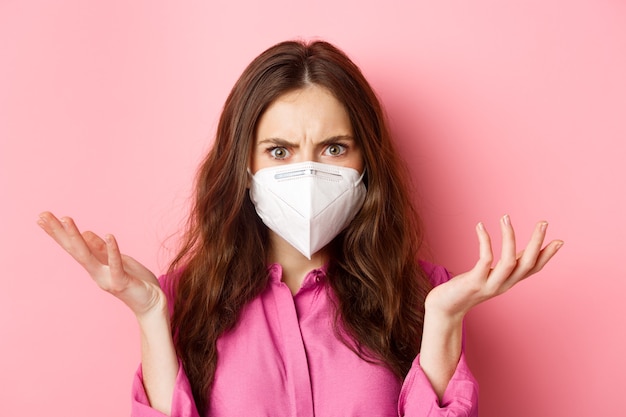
(139, 289)
(115, 273)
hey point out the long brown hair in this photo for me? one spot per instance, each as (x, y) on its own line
(378, 284)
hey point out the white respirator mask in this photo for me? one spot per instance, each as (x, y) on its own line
(308, 203)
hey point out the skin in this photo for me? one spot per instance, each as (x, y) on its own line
(305, 125)
(447, 304)
(138, 288)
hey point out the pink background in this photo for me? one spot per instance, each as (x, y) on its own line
(518, 107)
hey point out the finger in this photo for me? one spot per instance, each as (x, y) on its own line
(545, 255)
(66, 234)
(500, 278)
(485, 257)
(97, 245)
(116, 266)
(507, 261)
(74, 239)
(52, 226)
(531, 253)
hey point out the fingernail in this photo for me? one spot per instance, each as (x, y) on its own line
(543, 226)
(506, 220)
(480, 226)
(558, 245)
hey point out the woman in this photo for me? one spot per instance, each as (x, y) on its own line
(297, 291)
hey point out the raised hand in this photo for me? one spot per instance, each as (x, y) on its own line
(447, 304)
(457, 296)
(115, 273)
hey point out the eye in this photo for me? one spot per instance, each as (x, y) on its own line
(335, 149)
(278, 152)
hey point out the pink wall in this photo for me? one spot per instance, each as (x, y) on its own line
(512, 107)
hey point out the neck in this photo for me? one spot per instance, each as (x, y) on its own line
(295, 265)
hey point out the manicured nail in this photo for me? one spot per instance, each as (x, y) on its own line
(543, 226)
(506, 220)
(558, 245)
(480, 226)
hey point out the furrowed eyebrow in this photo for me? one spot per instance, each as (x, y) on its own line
(284, 142)
(276, 141)
(335, 139)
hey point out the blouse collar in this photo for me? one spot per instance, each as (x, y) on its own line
(314, 277)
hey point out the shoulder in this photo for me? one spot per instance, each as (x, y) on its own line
(437, 274)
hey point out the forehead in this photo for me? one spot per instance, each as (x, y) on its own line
(310, 111)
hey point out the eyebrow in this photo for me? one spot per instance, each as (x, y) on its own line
(285, 142)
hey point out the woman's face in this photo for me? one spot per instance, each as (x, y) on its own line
(305, 125)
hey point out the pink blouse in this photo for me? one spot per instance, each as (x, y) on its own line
(283, 359)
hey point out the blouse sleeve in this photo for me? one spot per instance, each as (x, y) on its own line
(183, 404)
(418, 398)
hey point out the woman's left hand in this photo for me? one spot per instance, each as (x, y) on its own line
(456, 297)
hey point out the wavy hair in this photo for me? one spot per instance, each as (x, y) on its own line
(378, 285)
